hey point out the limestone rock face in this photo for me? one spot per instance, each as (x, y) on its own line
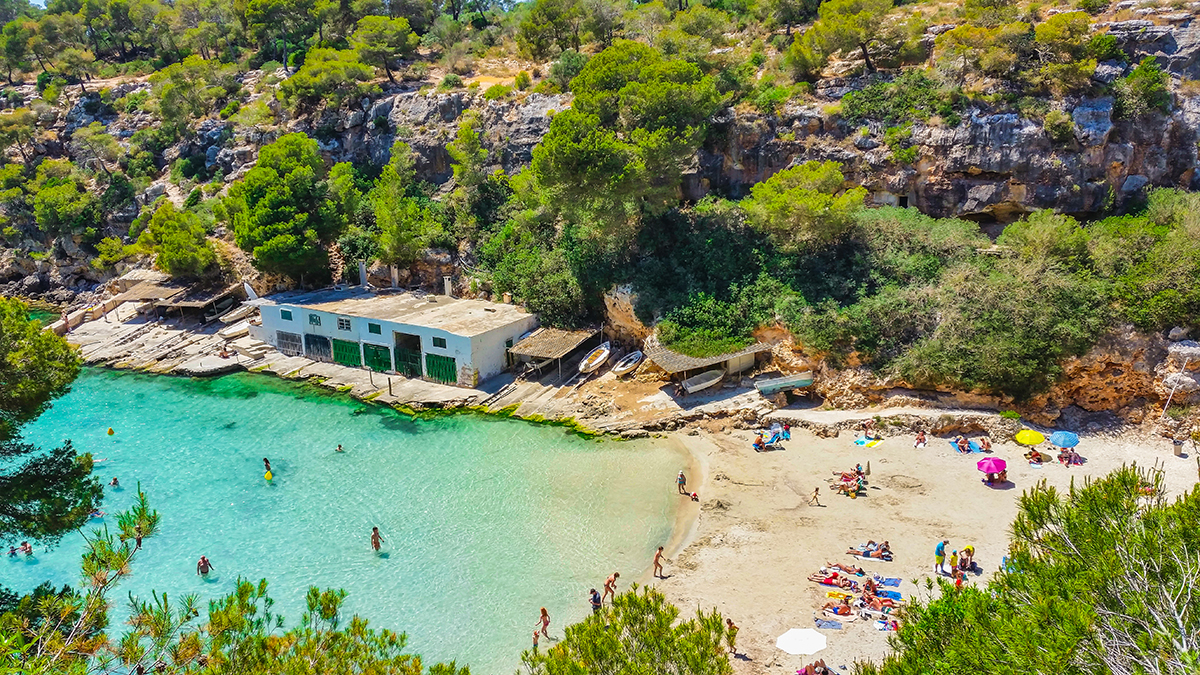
(620, 317)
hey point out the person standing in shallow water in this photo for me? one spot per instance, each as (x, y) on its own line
(596, 601)
(658, 566)
(203, 567)
(681, 483)
(376, 539)
(267, 464)
(545, 622)
(610, 586)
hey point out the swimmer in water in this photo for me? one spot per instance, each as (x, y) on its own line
(25, 548)
(97, 513)
(12, 551)
(376, 539)
(114, 482)
(267, 464)
(203, 567)
(339, 448)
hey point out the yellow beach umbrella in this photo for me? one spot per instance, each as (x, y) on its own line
(1029, 437)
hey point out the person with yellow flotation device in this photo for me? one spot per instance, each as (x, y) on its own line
(267, 465)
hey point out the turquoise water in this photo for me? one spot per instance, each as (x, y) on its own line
(486, 520)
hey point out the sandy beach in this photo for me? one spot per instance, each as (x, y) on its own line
(755, 539)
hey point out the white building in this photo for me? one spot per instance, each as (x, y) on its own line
(435, 337)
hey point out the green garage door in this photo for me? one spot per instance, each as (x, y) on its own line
(408, 362)
(377, 358)
(441, 368)
(346, 353)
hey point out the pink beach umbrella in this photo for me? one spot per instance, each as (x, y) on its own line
(991, 465)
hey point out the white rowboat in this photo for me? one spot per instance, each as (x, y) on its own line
(627, 364)
(702, 381)
(596, 358)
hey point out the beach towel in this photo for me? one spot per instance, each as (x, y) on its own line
(890, 581)
(970, 444)
(890, 595)
(885, 625)
(827, 625)
(844, 618)
(867, 442)
(838, 595)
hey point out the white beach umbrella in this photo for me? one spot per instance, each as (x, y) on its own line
(801, 641)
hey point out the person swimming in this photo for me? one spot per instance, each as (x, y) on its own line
(114, 482)
(339, 448)
(267, 464)
(203, 567)
(97, 513)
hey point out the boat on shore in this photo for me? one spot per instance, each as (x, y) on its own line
(627, 364)
(778, 384)
(702, 381)
(595, 358)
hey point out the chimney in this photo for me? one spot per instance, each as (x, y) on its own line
(362, 273)
(449, 286)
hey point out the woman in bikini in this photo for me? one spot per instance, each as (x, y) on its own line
(842, 608)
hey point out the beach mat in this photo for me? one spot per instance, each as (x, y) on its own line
(890, 595)
(827, 624)
(867, 442)
(890, 581)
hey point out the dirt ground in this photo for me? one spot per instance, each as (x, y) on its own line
(756, 539)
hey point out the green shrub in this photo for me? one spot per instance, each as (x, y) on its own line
(770, 99)
(912, 95)
(1093, 7)
(523, 81)
(1010, 414)
(451, 81)
(1143, 91)
(1104, 47)
(497, 91)
(229, 109)
(1059, 126)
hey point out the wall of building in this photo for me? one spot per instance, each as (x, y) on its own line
(477, 358)
(491, 350)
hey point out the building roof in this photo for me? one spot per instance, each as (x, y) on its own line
(674, 362)
(551, 343)
(146, 290)
(458, 316)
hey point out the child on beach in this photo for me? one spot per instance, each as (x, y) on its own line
(535, 639)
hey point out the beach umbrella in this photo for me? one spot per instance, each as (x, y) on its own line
(1028, 437)
(992, 465)
(1064, 439)
(801, 641)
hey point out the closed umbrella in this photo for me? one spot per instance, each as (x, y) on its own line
(1064, 439)
(992, 465)
(1029, 437)
(801, 641)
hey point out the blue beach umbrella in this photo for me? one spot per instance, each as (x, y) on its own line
(1064, 439)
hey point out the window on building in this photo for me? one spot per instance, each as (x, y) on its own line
(374, 329)
(343, 323)
(440, 343)
(314, 319)
(285, 314)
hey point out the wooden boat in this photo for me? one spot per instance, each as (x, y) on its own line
(702, 381)
(237, 314)
(237, 330)
(596, 358)
(777, 384)
(627, 364)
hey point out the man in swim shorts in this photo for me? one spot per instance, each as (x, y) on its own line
(203, 567)
(939, 556)
(596, 601)
(610, 586)
(376, 539)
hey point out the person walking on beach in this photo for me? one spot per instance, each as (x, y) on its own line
(545, 621)
(731, 631)
(813, 499)
(681, 483)
(939, 556)
(610, 586)
(596, 601)
(376, 538)
(658, 567)
(203, 567)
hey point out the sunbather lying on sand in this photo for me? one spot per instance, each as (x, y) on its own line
(882, 552)
(831, 580)
(879, 604)
(842, 608)
(848, 569)
(817, 667)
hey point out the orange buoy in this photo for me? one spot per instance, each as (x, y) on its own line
(110, 431)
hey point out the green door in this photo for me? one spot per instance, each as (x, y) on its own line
(346, 353)
(408, 362)
(441, 368)
(378, 358)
